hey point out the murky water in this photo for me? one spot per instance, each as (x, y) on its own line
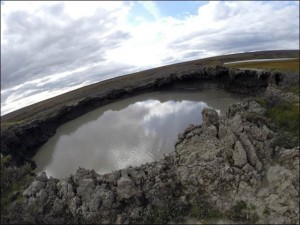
(128, 132)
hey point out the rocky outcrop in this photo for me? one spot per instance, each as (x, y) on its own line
(228, 166)
(237, 163)
(21, 141)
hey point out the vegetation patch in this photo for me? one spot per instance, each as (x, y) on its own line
(201, 207)
(204, 210)
(241, 212)
(13, 181)
(167, 210)
(286, 116)
(282, 65)
(266, 211)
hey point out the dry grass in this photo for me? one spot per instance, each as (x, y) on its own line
(282, 65)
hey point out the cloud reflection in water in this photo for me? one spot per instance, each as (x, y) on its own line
(131, 134)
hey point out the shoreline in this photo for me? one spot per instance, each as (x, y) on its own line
(21, 141)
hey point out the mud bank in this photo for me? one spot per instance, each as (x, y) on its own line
(22, 140)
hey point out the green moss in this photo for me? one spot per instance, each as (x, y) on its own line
(9, 194)
(163, 212)
(286, 140)
(251, 206)
(13, 181)
(286, 116)
(27, 168)
(241, 212)
(201, 207)
(204, 210)
(266, 211)
(237, 212)
(261, 101)
(5, 161)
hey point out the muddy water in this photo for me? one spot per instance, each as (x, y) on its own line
(128, 132)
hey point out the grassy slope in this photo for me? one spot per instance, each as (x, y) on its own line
(282, 65)
(31, 112)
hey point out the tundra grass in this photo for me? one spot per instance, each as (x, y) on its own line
(291, 66)
(284, 114)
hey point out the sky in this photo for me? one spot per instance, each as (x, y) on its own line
(49, 48)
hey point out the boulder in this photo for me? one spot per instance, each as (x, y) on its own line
(239, 155)
(209, 117)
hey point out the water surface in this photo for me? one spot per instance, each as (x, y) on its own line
(128, 132)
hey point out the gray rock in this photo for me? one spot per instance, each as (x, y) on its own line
(74, 205)
(125, 187)
(58, 205)
(42, 177)
(250, 150)
(239, 155)
(34, 188)
(66, 190)
(256, 108)
(108, 199)
(209, 117)
(42, 195)
(86, 189)
(248, 168)
(94, 204)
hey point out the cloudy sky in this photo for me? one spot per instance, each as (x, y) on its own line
(48, 48)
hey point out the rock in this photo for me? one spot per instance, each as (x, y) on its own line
(108, 199)
(254, 107)
(250, 151)
(86, 189)
(239, 155)
(125, 187)
(42, 177)
(94, 204)
(209, 117)
(74, 205)
(211, 131)
(248, 168)
(58, 205)
(34, 188)
(65, 189)
(42, 195)
(236, 124)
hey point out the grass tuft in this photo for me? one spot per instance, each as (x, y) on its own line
(286, 116)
